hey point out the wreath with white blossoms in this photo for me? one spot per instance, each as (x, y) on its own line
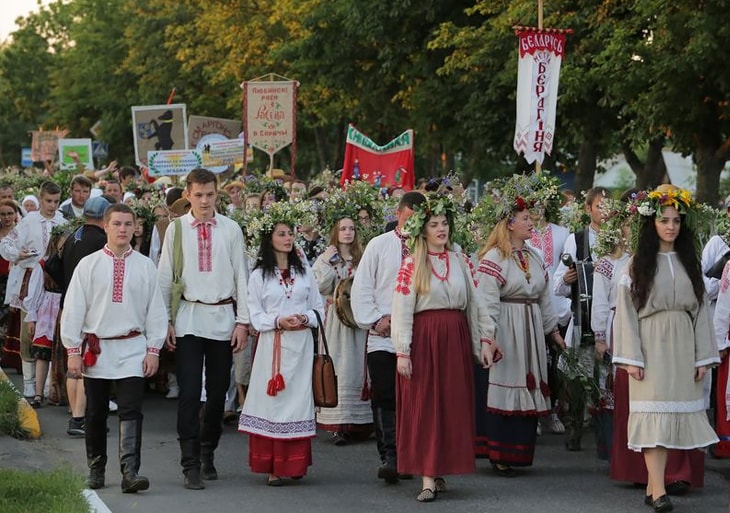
(260, 224)
(615, 214)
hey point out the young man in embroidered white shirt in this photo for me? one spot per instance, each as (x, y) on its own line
(211, 322)
(113, 326)
(24, 247)
(371, 301)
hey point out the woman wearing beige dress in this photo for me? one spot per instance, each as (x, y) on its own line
(664, 338)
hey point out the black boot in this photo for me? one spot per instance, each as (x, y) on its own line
(130, 447)
(95, 457)
(389, 469)
(207, 468)
(190, 461)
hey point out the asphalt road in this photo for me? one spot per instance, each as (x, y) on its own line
(342, 479)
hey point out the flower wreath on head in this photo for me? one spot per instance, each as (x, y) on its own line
(508, 196)
(615, 215)
(290, 213)
(546, 193)
(435, 205)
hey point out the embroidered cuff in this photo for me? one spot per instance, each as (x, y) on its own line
(153, 350)
(600, 336)
(73, 351)
(487, 341)
(403, 355)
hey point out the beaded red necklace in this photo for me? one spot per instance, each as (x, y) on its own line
(444, 255)
(522, 259)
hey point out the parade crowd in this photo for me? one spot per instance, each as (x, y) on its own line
(457, 330)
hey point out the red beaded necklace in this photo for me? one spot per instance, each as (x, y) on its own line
(444, 255)
(522, 258)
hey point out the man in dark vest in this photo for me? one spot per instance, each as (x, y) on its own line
(575, 281)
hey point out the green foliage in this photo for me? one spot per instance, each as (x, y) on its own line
(9, 420)
(58, 491)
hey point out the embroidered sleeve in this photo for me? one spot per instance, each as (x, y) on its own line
(470, 266)
(604, 267)
(489, 268)
(725, 281)
(405, 277)
(721, 320)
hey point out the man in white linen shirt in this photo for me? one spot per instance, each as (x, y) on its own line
(113, 326)
(210, 324)
(371, 298)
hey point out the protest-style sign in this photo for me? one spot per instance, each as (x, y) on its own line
(229, 152)
(44, 144)
(200, 126)
(173, 162)
(81, 146)
(383, 166)
(158, 128)
(541, 53)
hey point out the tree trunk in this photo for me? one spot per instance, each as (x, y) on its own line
(651, 173)
(710, 162)
(586, 170)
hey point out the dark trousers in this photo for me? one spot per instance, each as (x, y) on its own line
(190, 355)
(130, 394)
(382, 369)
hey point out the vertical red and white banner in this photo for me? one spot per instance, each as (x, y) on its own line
(383, 166)
(270, 116)
(541, 53)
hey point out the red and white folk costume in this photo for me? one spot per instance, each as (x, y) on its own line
(722, 327)
(112, 297)
(440, 332)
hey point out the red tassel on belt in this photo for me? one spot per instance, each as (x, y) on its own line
(89, 349)
(276, 383)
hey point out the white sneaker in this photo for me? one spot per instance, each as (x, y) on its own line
(113, 406)
(173, 392)
(539, 428)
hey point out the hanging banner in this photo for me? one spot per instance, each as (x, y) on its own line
(44, 144)
(383, 166)
(269, 114)
(541, 53)
(200, 126)
(158, 128)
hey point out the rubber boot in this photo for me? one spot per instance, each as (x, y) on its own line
(190, 461)
(96, 457)
(130, 446)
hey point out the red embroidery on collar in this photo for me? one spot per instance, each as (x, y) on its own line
(118, 282)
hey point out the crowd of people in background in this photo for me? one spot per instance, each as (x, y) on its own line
(458, 329)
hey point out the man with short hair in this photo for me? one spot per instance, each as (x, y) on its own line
(114, 189)
(6, 192)
(127, 176)
(372, 297)
(210, 323)
(80, 192)
(113, 326)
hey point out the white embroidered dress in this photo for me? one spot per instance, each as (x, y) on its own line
(669, 337)
(347, 348)
(289, 414)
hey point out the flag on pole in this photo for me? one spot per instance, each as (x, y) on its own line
(541, 54)
(382, 166)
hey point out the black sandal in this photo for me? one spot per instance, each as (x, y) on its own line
(427, 495)
(37, 401)
(277, 481)
(507, 471)
(440, 483)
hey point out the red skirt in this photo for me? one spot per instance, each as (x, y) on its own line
(629, 466)
(282, 458)
(722, 426)
(11, 344)
(435, 407)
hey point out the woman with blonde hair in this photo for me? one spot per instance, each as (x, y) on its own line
(513, 283)
(352, 418)
(438, 328)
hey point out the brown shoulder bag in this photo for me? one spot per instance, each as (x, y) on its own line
(324, 379)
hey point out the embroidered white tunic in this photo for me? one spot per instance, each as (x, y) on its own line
(214, 269)
(31, 234)
(721, 322)
(711, 253)
(457, 292)
(290, 413)
(669, 337)
(372, 288)
(605, 295)
(559, 286)
(522, 312)
(112, 297)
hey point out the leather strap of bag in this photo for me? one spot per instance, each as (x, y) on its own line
(322, 335)
(177, 253)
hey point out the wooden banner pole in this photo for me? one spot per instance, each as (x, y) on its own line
(538, 166)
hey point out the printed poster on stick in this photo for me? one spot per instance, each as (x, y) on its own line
(200, 126)
(228, 152)
(269, 114)
(541, 54)
(82, 147)
(44, 144)
(158, 128)
(173, 162)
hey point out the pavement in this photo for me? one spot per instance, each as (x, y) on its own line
(342, 479)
